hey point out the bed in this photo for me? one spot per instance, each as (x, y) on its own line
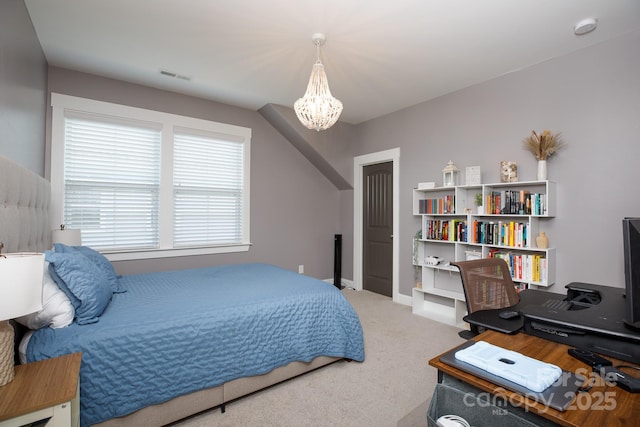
(146, 361)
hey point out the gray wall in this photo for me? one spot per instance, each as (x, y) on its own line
(23, 84)
(294, 208)
(592, 97)
(295, 211)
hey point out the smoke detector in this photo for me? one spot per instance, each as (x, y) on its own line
(585, 26)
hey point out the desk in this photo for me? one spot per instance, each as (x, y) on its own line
(603, 405)
(40, 390)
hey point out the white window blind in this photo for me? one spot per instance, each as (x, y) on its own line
(208, 190)
(143, 184)
(111, 182)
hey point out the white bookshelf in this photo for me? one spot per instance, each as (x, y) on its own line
(438, 292)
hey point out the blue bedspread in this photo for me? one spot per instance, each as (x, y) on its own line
(176, 332)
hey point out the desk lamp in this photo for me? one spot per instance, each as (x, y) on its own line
(21, 276)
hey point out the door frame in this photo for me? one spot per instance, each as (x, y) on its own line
(359, 162)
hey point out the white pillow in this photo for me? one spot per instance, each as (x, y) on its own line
(22, 347)
(57, 311)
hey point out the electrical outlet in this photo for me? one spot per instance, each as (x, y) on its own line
(301, 269)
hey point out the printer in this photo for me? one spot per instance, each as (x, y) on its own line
(589, 317)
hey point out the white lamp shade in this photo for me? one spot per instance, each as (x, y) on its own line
(67, 236)
(21, 276)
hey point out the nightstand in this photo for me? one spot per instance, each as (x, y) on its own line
(45, 389)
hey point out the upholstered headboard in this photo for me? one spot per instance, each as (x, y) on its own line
(24, 209)
(24, 216)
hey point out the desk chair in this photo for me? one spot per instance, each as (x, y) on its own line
(487, 285)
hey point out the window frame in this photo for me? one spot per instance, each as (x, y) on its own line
(61, 104)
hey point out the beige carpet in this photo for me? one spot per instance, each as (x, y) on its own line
(392, 387)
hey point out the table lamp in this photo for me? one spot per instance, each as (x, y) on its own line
(67, 236)
(21, 276)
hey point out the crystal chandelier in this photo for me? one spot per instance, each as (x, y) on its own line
(317, 109)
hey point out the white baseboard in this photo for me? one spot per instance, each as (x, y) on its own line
(403, 299)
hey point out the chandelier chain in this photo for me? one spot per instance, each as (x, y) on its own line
(318, 43)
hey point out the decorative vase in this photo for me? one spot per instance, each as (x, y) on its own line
(542, 170)
(542, 241)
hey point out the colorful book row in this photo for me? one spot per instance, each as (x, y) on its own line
(453, 230)
(442, 205)
(516, 202)
(503, 233)
(524, 267)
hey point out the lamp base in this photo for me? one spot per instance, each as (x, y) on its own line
(7, 367)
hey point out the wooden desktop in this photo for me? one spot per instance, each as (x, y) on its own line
(603, 405)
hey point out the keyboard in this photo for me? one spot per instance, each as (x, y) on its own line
(525, 371)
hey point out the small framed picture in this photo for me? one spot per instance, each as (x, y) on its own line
(472, 175)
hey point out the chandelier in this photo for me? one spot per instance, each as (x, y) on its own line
(317, 109)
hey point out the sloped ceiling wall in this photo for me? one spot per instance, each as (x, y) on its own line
(315, 146)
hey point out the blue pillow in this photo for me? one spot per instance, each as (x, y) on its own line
(85, 284)
(99, 260)
(75, 302)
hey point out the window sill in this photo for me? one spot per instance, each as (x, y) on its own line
(171, 253)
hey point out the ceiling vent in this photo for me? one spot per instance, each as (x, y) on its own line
(175, 75)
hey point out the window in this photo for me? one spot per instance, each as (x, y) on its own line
(112, 182)
(207, 190)
(144, 184)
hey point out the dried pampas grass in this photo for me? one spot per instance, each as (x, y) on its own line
(543, 145)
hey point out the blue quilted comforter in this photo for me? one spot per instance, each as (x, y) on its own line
(176, 332)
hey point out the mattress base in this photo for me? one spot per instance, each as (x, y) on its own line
(193, 403)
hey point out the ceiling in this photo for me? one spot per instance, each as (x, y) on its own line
(380, 55)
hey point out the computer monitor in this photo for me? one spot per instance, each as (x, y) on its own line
(631, 241)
